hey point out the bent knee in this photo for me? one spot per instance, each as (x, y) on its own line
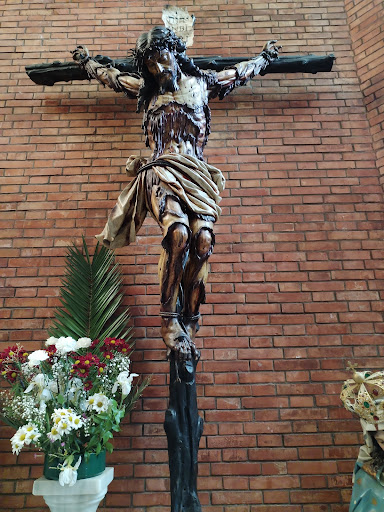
(204, 242)
(177, 238)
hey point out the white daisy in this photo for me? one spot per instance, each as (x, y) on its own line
(54, 434)
(31, 433)
(16, 447)
(64, 427)
(60, 413)
(18, 440)
(20, 435)
(75, 421)
(98, 402)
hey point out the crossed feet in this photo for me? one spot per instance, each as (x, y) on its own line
(179, 337)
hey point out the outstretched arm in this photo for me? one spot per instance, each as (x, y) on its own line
(240, 73)
(106, 74)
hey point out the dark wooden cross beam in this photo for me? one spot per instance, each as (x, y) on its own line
(53, 72)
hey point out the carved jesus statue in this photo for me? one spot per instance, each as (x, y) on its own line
(179, 189)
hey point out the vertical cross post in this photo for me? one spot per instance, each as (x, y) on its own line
(184, 428)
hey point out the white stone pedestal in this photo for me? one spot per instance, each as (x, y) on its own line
(84, 496)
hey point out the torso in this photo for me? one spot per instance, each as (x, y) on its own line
(178, 122)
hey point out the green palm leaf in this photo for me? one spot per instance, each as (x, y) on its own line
(90, 297)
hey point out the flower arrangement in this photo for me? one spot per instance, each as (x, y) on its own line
(70, 397)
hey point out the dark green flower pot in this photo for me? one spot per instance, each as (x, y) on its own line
(95, 466)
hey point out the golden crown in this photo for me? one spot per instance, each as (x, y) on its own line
(364, 395)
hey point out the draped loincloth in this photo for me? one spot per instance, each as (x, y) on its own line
(194, 182)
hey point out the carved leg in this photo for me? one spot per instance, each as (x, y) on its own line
(196, 273)
(175, 247)
(173, 257)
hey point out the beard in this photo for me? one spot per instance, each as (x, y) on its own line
(167, 82)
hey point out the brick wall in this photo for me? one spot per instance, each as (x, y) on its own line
(296, 277)
(366, 22)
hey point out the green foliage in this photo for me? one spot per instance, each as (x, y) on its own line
(90, 297)
(105, 424)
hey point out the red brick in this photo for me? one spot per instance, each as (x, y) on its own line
(311, 467)
(326, 496)
(236, 497)
(238, 468)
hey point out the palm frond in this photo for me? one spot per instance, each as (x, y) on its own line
(90, 296)
(136, 393)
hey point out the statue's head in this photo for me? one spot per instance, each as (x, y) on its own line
(157, 57)
(160, 58)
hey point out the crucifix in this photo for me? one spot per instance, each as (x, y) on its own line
(180, 190)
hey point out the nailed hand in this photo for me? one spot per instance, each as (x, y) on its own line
(271, 49)
(80, 54)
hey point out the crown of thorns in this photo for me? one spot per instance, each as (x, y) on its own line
(157, 39)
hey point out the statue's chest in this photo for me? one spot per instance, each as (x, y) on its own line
(173, 121)
(192, 93)
(179, 128)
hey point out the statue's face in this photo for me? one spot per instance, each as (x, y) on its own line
(163, 66)
(379, 436)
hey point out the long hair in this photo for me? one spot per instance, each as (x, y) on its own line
(157, 39)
